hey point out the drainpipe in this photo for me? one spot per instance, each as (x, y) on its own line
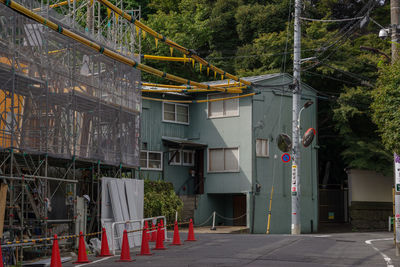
(254, 180)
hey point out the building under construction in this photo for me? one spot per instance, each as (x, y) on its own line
(68, 115)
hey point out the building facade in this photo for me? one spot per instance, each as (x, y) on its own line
(225, 154)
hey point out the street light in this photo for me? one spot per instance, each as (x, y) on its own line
(306, 105)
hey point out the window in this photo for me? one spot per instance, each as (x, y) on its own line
(150, 160)
(188, 157)
(175, 157)
(223, 159)
(185, 157)
(262, 148)
(223, 108)
(178, 113)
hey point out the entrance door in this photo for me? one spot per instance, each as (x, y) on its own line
(199, 169)
(239, 208)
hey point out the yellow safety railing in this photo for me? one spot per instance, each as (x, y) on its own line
(197, 101)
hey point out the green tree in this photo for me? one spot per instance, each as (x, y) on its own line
(385, 105)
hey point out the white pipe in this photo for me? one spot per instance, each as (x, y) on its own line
(213, 223)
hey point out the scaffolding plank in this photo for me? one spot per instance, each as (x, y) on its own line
(3, 198)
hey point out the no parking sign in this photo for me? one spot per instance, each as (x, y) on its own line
(286, 157)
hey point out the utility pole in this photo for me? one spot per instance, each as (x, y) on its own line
(295, 184)
(394, 21)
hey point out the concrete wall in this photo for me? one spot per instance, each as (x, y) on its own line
(369, 186)
(370, 199)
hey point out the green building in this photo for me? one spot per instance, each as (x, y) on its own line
(222, 156)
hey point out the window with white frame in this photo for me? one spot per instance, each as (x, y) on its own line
(184, 157)
(223, 108)
(188, 157)
(175, 157)
(177, 113)
(223, 159)
(151, 160)
(262, 148)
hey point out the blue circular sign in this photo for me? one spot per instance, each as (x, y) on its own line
(285, 157)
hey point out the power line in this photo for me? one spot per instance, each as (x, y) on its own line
(331, 20)
(330, 77)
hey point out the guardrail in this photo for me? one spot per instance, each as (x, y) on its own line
(137, 232)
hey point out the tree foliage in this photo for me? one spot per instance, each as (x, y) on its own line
(386, 106)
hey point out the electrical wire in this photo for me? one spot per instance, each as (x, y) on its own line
(345, 33)
(331, 20)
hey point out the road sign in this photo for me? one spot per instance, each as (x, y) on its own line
(397, 172)
(285, 157)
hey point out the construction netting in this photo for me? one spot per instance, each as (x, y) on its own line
(61, 98)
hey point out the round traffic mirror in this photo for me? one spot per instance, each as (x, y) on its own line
(308, 137)
(284, 142)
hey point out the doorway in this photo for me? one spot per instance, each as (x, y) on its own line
(199, 170)
(239, 208)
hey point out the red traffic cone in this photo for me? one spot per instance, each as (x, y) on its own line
(153, 233)
(2, 264)
(82, 256)
(160, 241)
(177, 239)
(162, 230)
(125, 254)
(146, 226)
(105, 251)
(144, 250)
(191, 232)
(55, 254)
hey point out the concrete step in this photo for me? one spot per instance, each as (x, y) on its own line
(189, 203)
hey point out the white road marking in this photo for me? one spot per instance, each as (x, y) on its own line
(102, 259)
(385, 257)
(322, 236)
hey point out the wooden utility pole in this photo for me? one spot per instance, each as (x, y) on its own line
(394, 21)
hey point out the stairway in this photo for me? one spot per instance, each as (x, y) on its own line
(189, 204)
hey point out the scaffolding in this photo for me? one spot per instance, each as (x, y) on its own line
(68, 116)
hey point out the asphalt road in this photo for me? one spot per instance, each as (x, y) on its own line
(350, 249)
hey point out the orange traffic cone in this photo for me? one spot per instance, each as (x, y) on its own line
(146, 226)
(159, 241)
(191, 232)
(145, 250)
(125, 254)
(55, 254)
(177, 239)
(82, 256)
(153, 233)
(1, 259)
(105, 251)
(162, 230)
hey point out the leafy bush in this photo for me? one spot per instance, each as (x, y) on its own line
(160, 199)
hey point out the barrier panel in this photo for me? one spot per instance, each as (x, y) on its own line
(128, 225)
